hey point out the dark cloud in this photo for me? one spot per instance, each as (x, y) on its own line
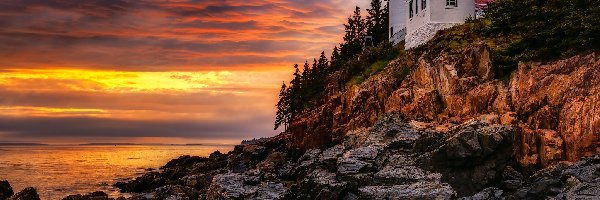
(82, 127)
(147, 34)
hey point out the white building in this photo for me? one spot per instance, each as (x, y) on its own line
(417, 21)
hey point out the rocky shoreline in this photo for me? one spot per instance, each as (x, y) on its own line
(394, 159)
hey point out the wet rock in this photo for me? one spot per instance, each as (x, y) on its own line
(421, 190)
(358, 159)
(270, 191)
(486, 194)
(199, 181)
(184, 161)
(330, 156)
(406, 174)
(318, 184)
(473, 156)
(232, 186)
(26, 194)
(99, 195)
(175, 192)
(143, 183)
(6, 190)
(580, 180)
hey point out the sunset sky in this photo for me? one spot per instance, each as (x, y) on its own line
(170, 71)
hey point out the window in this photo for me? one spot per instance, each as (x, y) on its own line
(417, 8)
(451, 3)
(410, 9)
(423, 4)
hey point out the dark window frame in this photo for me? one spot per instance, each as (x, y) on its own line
(410, 9)
(451, 3)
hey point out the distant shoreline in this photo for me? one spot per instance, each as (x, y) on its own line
(23, 144)
(110, 144)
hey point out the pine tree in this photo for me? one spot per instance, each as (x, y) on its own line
(335, 59)
(355, 33)
(377, 21)
(281, 116)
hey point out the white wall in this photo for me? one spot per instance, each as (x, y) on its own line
(440, 13)
(397, 16)
(419, 19)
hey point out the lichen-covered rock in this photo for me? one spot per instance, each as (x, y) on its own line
(232, 186)
(175, 192)
(358, 159)
(486, 194)
(405, 174)
(580, 180)
(270, 191)
(420, 190)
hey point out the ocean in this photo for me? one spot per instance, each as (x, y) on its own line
(59, 171)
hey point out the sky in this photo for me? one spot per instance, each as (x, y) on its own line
(154, 71)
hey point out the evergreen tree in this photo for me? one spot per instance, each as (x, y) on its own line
(308, 84)
(355, 32)
(335, 59)
(377, 21)
(281, 116)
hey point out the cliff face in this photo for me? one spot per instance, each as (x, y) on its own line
(554, 106)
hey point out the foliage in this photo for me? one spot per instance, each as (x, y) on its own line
(371, 61)
(543, 30)
(350, 59)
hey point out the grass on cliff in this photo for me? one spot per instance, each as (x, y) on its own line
(374, 60)
(525, 30)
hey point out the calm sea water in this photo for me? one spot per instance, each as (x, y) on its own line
(58, 171)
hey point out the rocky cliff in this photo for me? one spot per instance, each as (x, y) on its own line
(553, 106)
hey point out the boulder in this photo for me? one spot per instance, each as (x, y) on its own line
(420, 190)
(6, 190)
(26, 194)
(99, 195)
(175, 192)
(580, 180)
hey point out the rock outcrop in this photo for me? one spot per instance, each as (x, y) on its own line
(553, 105)
(6, 190)
(26, 194)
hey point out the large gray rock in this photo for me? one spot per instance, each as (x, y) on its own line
(175, 192)
(486, 194)
(358, 159)
(473, 156)
(405, 174)
(580, 180)
(231, 186)
(420, 190)
(270, 191)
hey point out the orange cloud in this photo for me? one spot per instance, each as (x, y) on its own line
(154, 69)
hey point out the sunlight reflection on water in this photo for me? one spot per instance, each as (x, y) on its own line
(58, 171)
